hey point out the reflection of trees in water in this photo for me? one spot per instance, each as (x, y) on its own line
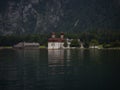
(94, 56)
(33, 68)
(68, 57)
(52, 69)
(63, 61)
(76, 57)
(9, 68)
(59, 60)
(29, 54)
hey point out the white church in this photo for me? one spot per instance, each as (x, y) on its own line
(56, 43)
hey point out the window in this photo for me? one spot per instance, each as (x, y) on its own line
(53, 44)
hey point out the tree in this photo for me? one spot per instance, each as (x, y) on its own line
(115, 44)
(94, 42)
(86, 44)
(74, 43)
(65, 43)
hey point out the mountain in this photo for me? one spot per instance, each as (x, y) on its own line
(44, 16)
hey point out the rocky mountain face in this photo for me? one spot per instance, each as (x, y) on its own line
(43, 16)
(31, 16)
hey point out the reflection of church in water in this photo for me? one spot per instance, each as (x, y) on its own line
(56, 61)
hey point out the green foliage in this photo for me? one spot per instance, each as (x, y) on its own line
(42, 47)
(115, 44)
(106, 45)
(65, 43)
(9, 40)
(107, 38)
(13, 39)
(112, 45)
(94, 42)
(86, 44)
(74, 43)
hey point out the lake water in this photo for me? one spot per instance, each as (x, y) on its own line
(59, 69)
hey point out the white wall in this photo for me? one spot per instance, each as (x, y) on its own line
(93, 47)
(55, 45)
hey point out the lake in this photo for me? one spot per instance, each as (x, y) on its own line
(59, 69)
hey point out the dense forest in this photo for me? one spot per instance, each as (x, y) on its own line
(107, 38)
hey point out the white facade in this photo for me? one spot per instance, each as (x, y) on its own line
(55, 45)
(58, 43)
(81, 45)
(94, 47)
(27, 45)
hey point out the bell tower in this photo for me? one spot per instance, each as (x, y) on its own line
(62, 35)
(53, 35)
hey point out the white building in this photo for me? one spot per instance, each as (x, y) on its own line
(56, 43)
(68, 42)
(27, 45)
(94, 47)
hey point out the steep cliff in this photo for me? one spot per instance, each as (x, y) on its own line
(43, 16)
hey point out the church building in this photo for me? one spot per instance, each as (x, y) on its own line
(56, 43)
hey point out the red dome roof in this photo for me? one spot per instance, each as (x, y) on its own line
(55, 40)
(53, 33)
(62, 33)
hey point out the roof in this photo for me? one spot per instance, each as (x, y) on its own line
(62, 33)
(31, 44)
(55, 40)
(53, 33)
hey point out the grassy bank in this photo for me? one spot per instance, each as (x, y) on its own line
(6, 47)
(42, 47)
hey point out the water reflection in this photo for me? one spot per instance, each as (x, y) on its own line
(72, 67)
(58, 69)
(55, 58)
(61, 60)
(23, 70)
(95, 56)
(56, 61)
(68, 58)
(34, 68)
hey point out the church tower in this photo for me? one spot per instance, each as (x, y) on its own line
(53, 35)
(62, 35)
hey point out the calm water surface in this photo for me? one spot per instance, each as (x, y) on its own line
(59, 69)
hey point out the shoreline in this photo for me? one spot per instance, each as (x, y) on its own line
(10, 47)
(6, 47)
